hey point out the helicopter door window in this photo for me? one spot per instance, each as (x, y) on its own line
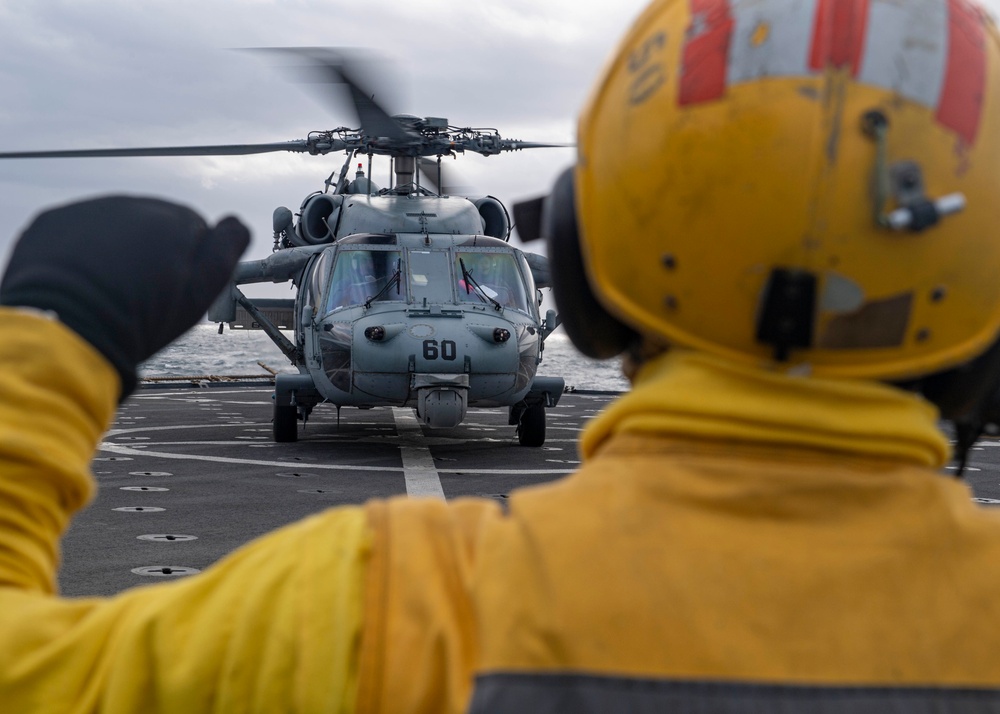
(428, 276)
(360, 276)
(490, 276)
(319, 279)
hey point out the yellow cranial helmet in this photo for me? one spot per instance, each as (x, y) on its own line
(797, 182)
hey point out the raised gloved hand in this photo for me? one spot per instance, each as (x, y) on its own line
(127, 274)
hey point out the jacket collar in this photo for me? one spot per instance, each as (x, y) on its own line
(691, 394)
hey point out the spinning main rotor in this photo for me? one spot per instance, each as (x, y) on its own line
(380, 133)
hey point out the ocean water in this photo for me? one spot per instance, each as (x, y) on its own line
(204, 352)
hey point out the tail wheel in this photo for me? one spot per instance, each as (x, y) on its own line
(531, 427)
(286, 423)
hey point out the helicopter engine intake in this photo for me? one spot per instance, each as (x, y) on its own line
(496, 221)
(320, 215)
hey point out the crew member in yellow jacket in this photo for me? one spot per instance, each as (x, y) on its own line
(783, 213)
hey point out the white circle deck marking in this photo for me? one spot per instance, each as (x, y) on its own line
(165, 571)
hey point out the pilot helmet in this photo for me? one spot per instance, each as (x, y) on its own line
(488, 267)
(808, 186)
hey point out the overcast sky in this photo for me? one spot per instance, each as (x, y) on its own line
(110, 73)
(120, 73)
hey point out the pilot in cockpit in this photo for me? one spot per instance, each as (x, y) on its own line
(490, 277)
(353, 279)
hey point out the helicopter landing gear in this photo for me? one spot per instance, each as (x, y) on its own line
(531, 426)
(529, 413)
(286, 423)
(294, 397)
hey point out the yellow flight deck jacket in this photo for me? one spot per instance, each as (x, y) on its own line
(736, 541)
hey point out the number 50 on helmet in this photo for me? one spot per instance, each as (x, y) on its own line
(790, 183)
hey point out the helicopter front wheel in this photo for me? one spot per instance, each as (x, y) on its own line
(286, 423)
(531, 426)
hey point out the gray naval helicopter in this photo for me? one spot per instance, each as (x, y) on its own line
(405, 296)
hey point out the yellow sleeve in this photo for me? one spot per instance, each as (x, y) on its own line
(274, 627)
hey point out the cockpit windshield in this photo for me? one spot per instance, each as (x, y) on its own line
(360, 276)
(490, 278)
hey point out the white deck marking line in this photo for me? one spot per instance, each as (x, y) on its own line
(418, 465)
(300, 465)
(289, 464)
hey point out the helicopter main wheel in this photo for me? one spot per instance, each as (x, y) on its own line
(531, 427)
(286, 424)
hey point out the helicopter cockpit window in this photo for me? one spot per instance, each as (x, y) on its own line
(428, 276)
(490, 276)
(362, 275)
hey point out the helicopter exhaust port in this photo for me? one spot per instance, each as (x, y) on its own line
(442, 399)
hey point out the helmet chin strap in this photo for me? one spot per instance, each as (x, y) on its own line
(966, 434)
(983, 418)
(968, 396)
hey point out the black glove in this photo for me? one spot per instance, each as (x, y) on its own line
(127, 274)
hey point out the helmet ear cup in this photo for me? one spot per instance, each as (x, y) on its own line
(594, 331)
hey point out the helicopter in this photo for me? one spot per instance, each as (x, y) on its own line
(405, 295)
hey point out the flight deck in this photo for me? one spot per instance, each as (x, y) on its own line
(188, 474)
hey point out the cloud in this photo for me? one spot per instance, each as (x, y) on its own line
(110, 73)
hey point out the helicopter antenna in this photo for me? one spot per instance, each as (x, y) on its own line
(329, 228)
(343, 175)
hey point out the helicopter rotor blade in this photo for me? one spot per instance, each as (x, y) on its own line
(429, 171)
(380, 132)
(516, 145)
(331, 66)
(448, 186)
(212, 150)
(528, 218)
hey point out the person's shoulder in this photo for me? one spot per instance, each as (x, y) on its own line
(408, 523)
(435, 512)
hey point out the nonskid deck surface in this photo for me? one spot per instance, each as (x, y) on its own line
(187, 475)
